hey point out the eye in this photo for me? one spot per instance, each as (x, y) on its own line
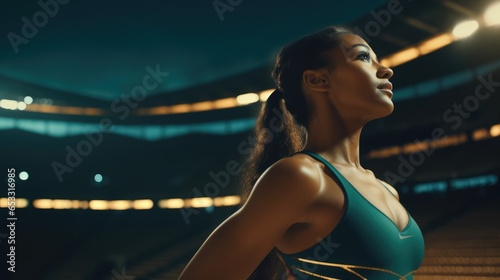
(363, 56)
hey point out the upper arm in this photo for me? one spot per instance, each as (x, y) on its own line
(235, 248)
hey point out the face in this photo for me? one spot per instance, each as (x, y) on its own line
(358, 84)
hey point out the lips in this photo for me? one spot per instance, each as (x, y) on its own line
(386, 88)
(386, 85)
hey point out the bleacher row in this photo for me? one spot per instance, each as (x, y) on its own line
(465, 248)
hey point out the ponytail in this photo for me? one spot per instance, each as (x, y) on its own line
(277, 136)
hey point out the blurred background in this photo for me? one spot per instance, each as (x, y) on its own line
(124, 126)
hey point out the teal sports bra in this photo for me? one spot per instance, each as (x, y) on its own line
(365, 244)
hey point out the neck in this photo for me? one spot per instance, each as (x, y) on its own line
(336, 140)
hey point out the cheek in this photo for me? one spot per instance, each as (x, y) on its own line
(355, 96)
(354, 86)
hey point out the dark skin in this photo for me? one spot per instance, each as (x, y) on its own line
(296, 201)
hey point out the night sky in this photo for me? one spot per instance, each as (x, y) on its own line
(101, 48)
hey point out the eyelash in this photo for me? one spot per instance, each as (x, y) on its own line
(363, 56)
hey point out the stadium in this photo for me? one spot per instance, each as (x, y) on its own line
(125, 127)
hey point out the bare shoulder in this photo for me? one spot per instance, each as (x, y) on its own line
(298, 173)
(290, 182)
(391, 189)
(298, 167)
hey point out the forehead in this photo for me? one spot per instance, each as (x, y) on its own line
(350, 41)
(349, 46)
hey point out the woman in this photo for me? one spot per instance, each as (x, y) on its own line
(313, 211)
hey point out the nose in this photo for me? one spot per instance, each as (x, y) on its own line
(384, 72)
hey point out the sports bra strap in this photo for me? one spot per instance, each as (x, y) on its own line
(328, 164)
(385, 187)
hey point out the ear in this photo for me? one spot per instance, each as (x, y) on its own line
(316, 80)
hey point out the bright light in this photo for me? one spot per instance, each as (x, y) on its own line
(24, 175)
(42, 203)
(435, 43)
(119, 204)
(492, 14)
(21, 105)
(98, 178)
(480, 134)
(180, 108)
(465, 28)
(8, 104)
(28, 100)
(202, 106)
(61, 204)
(247, 98)
(264, 95)
(201, 202)
(401, 57)
(495, 130)
(226, 200)
(98, 205)
(75, 204)
(21, 202)
(225, 103)
(142, 204)
(173, 203)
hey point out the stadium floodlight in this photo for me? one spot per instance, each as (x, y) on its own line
(8, 104)
(28, 100)
(42, 203)
(98, 205)
(465, 29)
(495, 130)
(201, 202)
(492, 14)
(401, 57)
(21, 105)
(172, 203)
(247, 98)
(142, 204)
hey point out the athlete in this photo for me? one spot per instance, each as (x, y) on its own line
(311, 211)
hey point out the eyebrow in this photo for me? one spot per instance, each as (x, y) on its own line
(356, 45)
(363, 45)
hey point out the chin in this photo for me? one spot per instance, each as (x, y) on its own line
(390, 108)
(383, 110)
